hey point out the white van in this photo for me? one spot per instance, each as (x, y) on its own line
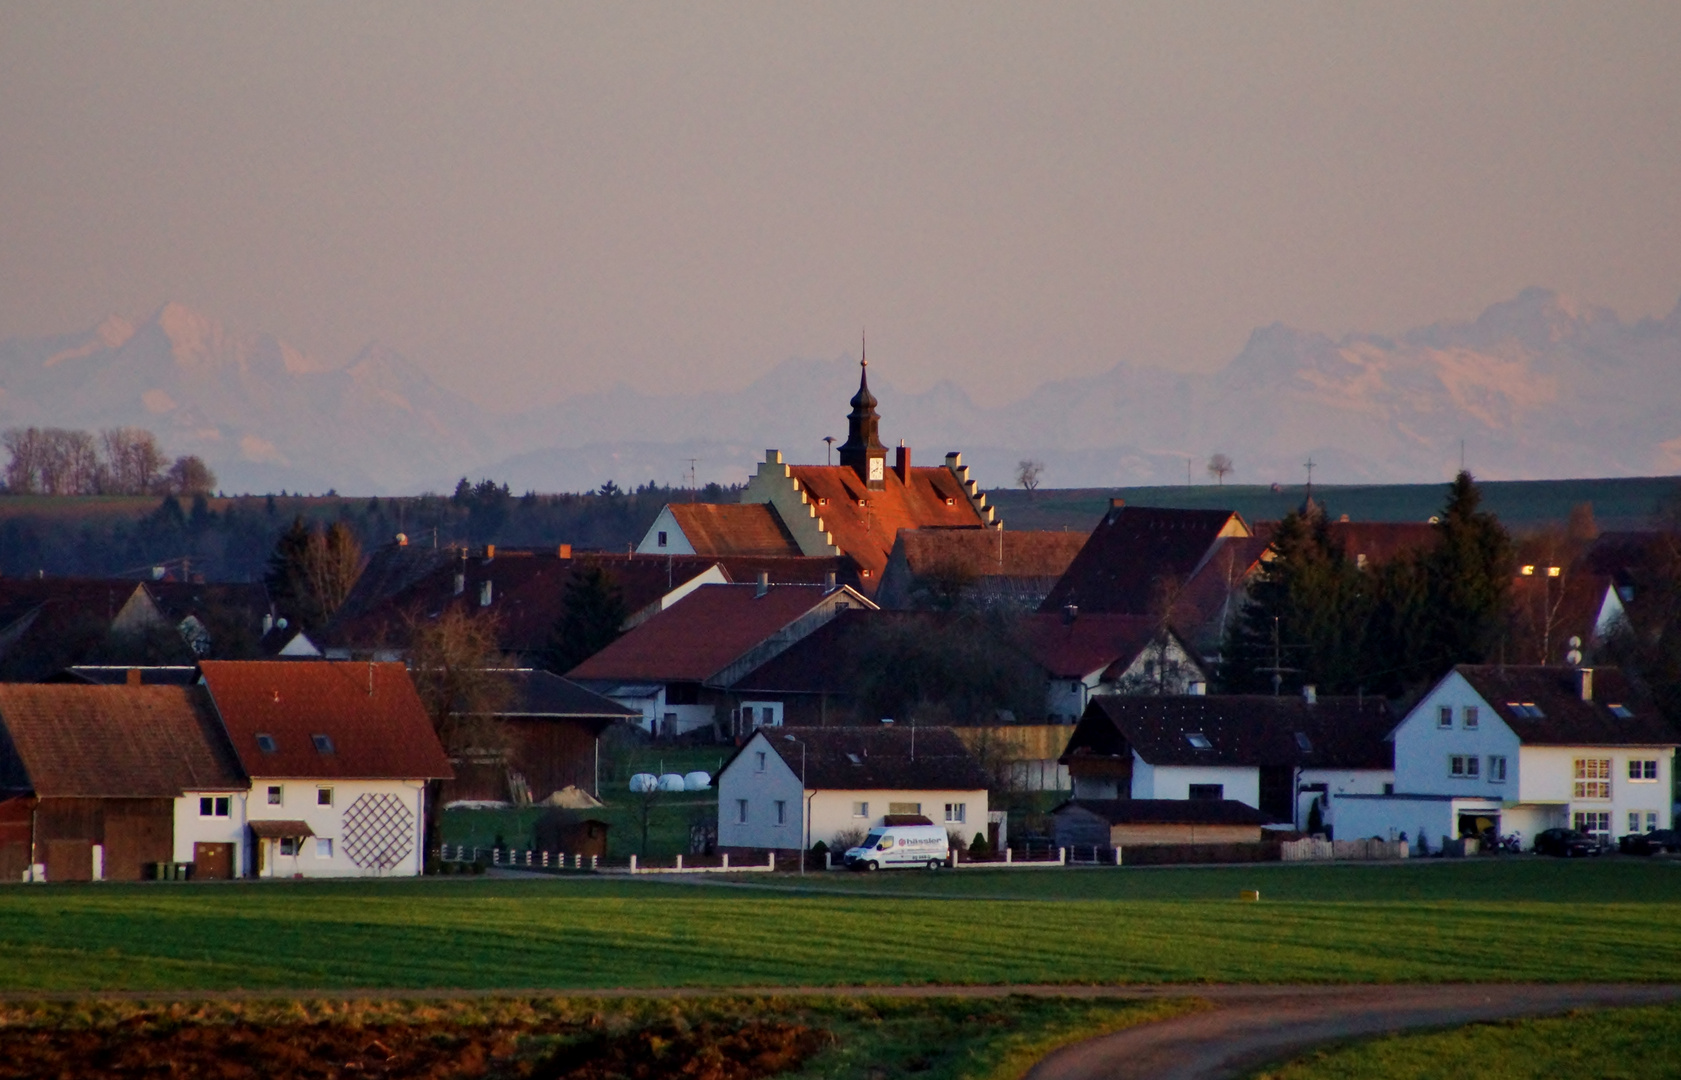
(900, 845)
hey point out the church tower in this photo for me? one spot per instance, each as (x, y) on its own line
(862, 452)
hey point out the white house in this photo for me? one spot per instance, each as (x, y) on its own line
(1276, 754)
(853, 778)
(338, 755)
(1086, 655)
(1520, 750)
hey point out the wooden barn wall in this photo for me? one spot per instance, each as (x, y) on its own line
(133, 832)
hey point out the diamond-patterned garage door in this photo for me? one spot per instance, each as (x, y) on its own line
(378, 832)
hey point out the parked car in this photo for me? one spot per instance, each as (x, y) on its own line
(1652, 843)
(1565, 843)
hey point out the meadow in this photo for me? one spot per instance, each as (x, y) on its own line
(1524, 920)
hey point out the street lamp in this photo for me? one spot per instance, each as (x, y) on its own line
(805, 804)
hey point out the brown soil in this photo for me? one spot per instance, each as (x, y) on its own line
(139, 1047)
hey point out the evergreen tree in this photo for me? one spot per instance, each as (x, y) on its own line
(311, 572)
(595, 613)
(1468, 581)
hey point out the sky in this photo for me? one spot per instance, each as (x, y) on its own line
(537, 200)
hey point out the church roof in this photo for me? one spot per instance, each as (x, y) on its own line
(865, 523)
(715, 529)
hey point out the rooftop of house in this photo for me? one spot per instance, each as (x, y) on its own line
(1138, 557)
(1168, 811)
(114, 742)
(1073, 648)
(704, 633)
(875, 758)
(537, 693)
(1249, 730)
(1546, 706)
(866, 523)
(750, 529)
(824, 661)
(988, 552)
(325, 719)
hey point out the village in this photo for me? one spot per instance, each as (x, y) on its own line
(849, 649)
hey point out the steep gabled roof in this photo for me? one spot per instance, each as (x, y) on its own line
(116, 742)
(823, 662)
(1239, 729)
(1073, 650)
(866, 523)
(706, 632)
(1567, 720)
(715, 529)
(1136, 553)
(878, 758)
(371, 714)
(1168, 811)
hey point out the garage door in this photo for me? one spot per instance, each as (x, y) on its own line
(213, 862)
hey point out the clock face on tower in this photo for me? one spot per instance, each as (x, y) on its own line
(876, 469)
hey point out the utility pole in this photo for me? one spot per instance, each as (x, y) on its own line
(692, 481)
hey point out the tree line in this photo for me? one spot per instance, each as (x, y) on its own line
(114, 461)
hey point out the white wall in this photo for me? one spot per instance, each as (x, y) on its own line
(192, 829)
(1550, 777)
(675, 542)
(1065, 698)
(1338, 782)
(762, 782)
(1423, 751)
(1242, 783)
(300, 803)
(833, 812)
(1387, 818)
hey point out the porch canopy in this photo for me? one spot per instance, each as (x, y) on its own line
(278, 830)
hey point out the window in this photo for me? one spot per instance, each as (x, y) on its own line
(1634, 821)
(274, 794)
(323, 743)
(323, 848)
(1651, 820)
(266, 743)
(957, 813)
(323, 796)
(781, 812)
(1621, 712)
(1593, 779)
(1470, 718)
(760, 757)
(1592, 822)
(1496, 769)
(1389, 789)
(861, 809)
(1444, 716)
(662, 539)
(741, 811)
(1643, 772)
(1463, 766)
(1208, 792)
(288, 845)
(1198, 740)
(214, 806)
(904, 808)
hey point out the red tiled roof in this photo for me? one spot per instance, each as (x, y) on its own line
(116, 741)
(1089, 643)
(701, 634)
(865, 523)
(1134, 554)
(989, 552)
(733, 529)
(370, 712)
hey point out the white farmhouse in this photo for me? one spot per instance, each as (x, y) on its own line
(338, 755)
(1520, 750)
(846, 780)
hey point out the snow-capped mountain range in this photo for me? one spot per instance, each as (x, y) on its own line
(1537, 386)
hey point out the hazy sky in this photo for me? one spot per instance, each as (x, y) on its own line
(536, 199)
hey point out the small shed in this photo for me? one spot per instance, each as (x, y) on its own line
(571, 833)
(1133, 822)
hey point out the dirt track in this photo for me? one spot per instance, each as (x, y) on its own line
(1254, 1026)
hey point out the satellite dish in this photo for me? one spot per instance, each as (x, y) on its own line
(1575, 642)
(1573, 658)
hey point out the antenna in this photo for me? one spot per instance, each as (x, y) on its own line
(1278, 669)
(863, 349)
(830, 439)
(692, 481)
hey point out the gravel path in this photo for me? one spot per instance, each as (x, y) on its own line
(1255, 1026)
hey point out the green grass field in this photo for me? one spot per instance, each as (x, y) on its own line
(1543, 921)
(1610, 1044)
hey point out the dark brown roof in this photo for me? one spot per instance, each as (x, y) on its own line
(866, 523)
(277, 829)
(1567, 720)
(1135, 553)
(1071, 650)
(370, 712)
(542, 693)
(702, 634)
(877, 758)
(989, 552)
(823, 662)
(1168, 811)
(733, 529)
(1243, 730)
(116, 741)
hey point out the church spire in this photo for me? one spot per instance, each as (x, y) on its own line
(863, 452)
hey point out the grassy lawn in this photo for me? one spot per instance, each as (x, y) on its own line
(1610, 1044)
(1606, 921)
(845, 1039)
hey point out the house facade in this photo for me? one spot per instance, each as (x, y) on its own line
(853, 778)
(1520, 750)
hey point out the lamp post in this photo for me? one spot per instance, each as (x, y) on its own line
(805, 804)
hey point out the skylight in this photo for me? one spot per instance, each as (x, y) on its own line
(266, 744)
(1526, 709)
(855, 759)
(1621, 712)
(1304, 742)
(323, 743)
(1198, 740)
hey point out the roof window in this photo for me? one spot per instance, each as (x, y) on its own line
(1198, 740)
(1526, 709)
(855, 759)
(266, 744)
(323, 743)
(1304, 742)
(1621, 712)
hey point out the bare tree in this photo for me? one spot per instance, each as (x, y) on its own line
(190, 476)
(1027, 474)
(1218, 466)
(132, 461)
(27, 450)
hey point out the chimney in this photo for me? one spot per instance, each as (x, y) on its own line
(1310, 694)
(133, 676)
(484, 593)
(1584, 682)
(829, 581)
(763, 585)
(489, 552)
(268, 624)
(402, 539)
(902, 462)
(564, 551)
(1116, 504)
(460, 583)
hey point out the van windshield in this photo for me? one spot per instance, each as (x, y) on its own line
(871, 840)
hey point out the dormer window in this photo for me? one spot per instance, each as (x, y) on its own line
(1527, 709)
(266, 744)
(323, 743)
(1198, 740)
(1621, 712)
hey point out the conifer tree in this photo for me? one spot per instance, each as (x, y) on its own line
(1468, 580)
(594, 617)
